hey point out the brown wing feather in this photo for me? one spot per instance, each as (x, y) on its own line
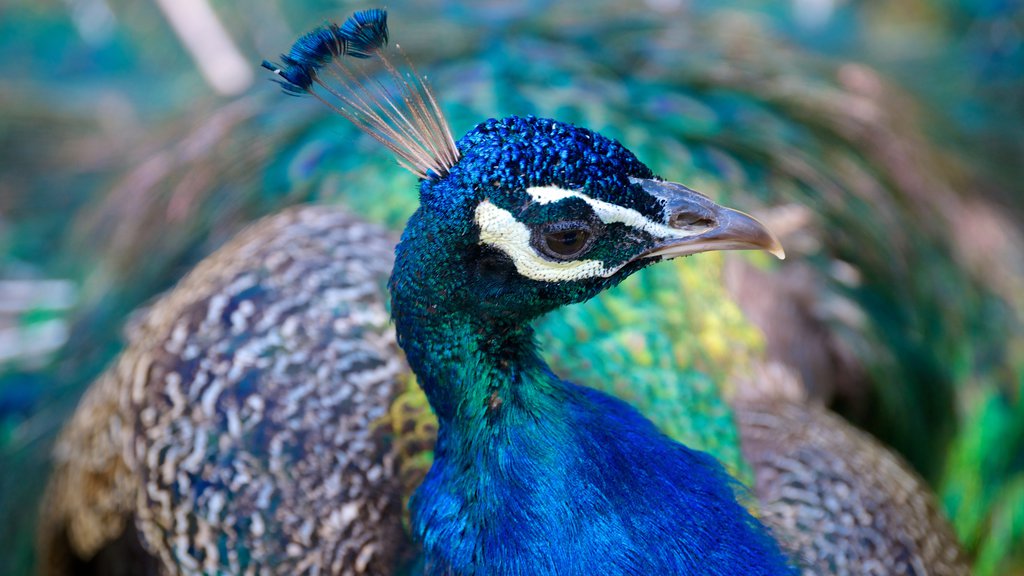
(245, 425)
(839, 500)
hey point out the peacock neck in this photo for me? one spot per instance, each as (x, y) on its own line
(468, 358)
(535, 475)
(470, 368)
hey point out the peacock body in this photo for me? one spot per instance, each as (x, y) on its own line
(536, 478)
(240, 482)
(703, 84)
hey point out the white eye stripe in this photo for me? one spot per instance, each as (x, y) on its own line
(610, 213)
(500, 229)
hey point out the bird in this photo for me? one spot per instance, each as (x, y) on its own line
(684, 93)
(248, 452)
(167, 343)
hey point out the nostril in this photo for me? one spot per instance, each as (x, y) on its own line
(687, 220)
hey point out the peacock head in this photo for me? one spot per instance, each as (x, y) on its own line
(537, 213)
(521, 215)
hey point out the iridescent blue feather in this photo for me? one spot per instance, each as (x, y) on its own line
(306, 57)
(360, 36)
(366, 32)
(400, 113)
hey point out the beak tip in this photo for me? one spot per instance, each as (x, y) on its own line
(761, 238)
(757, 235)
(775, 248)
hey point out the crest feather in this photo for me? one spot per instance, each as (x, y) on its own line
(399, 111)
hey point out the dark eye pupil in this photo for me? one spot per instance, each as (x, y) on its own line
(566, 242)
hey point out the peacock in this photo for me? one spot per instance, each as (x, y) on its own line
(259, 418)
(715, 100)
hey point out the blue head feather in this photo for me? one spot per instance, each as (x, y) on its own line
(499, 160)
(404, 116)
(366, 32)
(360, 36)
(521, 152)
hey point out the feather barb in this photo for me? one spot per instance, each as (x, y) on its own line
(394, 106)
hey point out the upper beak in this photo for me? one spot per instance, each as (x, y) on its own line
(704, 226)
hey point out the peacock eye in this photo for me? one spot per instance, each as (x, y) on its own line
(567, 243)
(564, 240)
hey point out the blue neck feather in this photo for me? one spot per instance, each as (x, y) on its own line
(534, 475)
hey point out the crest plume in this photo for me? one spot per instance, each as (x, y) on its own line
(399, 112)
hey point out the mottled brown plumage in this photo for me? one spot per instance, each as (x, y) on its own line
(247, 425)
(837, 499)
(91, 496)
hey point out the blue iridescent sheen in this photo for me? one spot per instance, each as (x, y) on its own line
(527, 151)
(307, 55)
(533, 474)
(359, 36)
(366, 32)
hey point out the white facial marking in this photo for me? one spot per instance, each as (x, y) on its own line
(499, 228)
(609, 213)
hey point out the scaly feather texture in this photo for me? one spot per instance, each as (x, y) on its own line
(836, 498)
(245, 428)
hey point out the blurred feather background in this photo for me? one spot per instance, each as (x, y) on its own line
(885, 140)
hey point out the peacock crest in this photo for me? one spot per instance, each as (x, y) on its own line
(396, 108)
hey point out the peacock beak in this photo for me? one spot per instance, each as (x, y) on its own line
(700, 225)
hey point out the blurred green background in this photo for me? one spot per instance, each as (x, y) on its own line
(135, 137)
